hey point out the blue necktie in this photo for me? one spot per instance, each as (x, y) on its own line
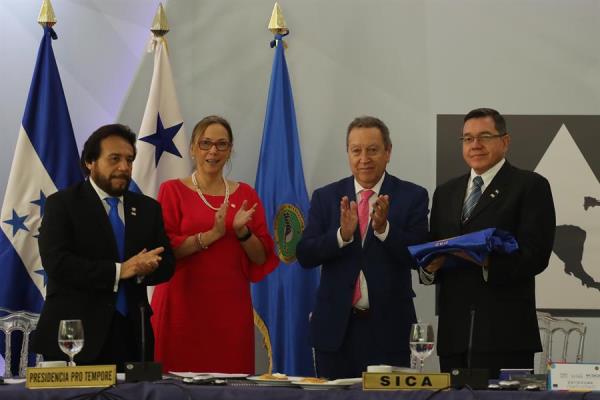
(473, 198)
(118, 228)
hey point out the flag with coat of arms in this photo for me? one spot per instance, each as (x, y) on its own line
(283, 300)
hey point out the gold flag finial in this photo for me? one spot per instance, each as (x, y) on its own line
(277, 22)
(47, 16)
(160, 26)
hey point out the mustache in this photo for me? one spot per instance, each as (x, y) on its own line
(121, 176)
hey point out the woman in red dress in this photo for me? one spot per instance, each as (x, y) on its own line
(203, 317)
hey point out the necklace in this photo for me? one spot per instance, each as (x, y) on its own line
(195, 182)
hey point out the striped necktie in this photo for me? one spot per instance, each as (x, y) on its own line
(472, 199)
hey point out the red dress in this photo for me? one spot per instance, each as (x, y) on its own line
(203, 318)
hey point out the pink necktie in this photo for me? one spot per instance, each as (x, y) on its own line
(363, 222)
(363, 211)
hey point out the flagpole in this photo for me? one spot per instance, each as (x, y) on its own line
(162, 144)
(277, 24)
(46, 16)
(284, 299)
(160, 26)
(45, 160)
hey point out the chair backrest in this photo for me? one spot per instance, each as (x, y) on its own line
(11, 321)
(555, 334)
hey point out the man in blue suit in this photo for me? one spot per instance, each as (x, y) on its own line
(358, 230)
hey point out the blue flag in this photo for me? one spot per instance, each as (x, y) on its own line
(284, 299)
(477, 245)
(45, 161)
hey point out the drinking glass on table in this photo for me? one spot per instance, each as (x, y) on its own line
(70, 337)
(421, 342)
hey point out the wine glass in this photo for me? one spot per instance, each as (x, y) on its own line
(70, 337)
(421, 342)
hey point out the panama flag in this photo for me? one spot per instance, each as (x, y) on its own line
(162, 145)
(45, 161)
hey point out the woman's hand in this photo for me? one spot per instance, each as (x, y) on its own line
(242, 217)
(250, 243)
(218, 229)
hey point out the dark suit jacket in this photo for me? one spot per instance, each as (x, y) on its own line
(79, 252)
(386, 265)
(516, 201)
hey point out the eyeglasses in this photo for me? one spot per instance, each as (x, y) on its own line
(371, 151)
(221, 145)
(483, 138)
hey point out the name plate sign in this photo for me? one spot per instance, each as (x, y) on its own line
(79, 376)
(574, 377)
(404, 381)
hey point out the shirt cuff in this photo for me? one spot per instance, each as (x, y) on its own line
(485, 273)
(340, 241)
(117, 275)
(383, 236)
(427, 278)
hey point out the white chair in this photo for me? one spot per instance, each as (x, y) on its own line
(555, 334)
(11, 321)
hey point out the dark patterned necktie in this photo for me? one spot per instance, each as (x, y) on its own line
(472, 199)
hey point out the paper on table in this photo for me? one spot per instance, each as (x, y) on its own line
(13, 381)
(219, 375)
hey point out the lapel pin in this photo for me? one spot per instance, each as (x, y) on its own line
(133, 211)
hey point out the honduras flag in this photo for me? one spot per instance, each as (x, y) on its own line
(45, 160)
(162, 145)
(284, 299)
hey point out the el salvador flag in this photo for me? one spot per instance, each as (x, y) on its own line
(45, 160)
(162, 145)
(283, 300)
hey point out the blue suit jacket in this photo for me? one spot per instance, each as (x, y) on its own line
(386, 265)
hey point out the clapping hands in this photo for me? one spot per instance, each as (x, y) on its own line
(242, 217)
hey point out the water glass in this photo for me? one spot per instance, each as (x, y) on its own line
(421, 342)
(70, 337)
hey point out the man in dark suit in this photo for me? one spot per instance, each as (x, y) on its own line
(101, 245)
(498, 297)
(358, 230)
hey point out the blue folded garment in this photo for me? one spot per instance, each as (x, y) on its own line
(478, 245)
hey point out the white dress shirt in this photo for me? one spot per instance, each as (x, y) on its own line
(121, 208)
(487, 177)
(363, 303)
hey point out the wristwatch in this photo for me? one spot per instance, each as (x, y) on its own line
(246, 236)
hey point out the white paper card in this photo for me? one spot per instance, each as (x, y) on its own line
(574, 377)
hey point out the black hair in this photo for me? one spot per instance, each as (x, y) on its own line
(499, 122)
(92, 147)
